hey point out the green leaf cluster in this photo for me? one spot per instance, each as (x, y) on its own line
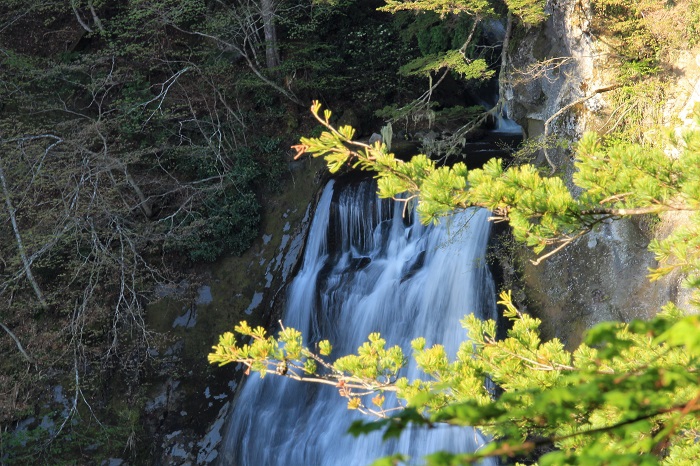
(264, 352)
(442, 7)
(371, 371)
(617, 179)
(530, 12)
(454, 60)
(373, 360)
(629, 395)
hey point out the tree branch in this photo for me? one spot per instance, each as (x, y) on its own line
(82, 23)
(17, 342)
(566, 108)
(96, 18)
(564, 244)
(655, 209)
(288, 94)
(18, 236)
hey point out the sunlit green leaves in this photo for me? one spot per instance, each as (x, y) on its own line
(680, 251)
(442, 7)
(226, 351)
(594, 405)
(685, 333)
(310, 366)
(617, 178)
(324, 348)
(373, 360)
(630, 392)
(454, 60)
(530, 12)
(625, 175)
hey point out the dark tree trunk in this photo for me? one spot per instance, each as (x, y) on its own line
(272, 58)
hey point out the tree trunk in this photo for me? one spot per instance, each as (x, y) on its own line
(272, 58)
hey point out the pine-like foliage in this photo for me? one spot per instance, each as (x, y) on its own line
(452, 59)
(630, 394)
(618, 179)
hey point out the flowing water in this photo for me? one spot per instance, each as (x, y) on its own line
(367, 268)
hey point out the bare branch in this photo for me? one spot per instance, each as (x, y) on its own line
(17, 342)
(286, 93)
(164, 88)
(565, 108)
(540, 70)
(96, 18)
(15, 228)
(563, 244)
(83, 24)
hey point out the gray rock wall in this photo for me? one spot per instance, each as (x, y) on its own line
(603, 276)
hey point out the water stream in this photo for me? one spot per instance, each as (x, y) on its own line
(366, 269)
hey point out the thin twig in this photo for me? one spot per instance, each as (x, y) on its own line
(564, 243)
(565, 108)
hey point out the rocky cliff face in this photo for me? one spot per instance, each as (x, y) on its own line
(550, 67)
(557, 84)
(189, 398)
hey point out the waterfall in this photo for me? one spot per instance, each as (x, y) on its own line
(367, 268)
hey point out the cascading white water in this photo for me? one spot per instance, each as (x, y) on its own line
(366, 269)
